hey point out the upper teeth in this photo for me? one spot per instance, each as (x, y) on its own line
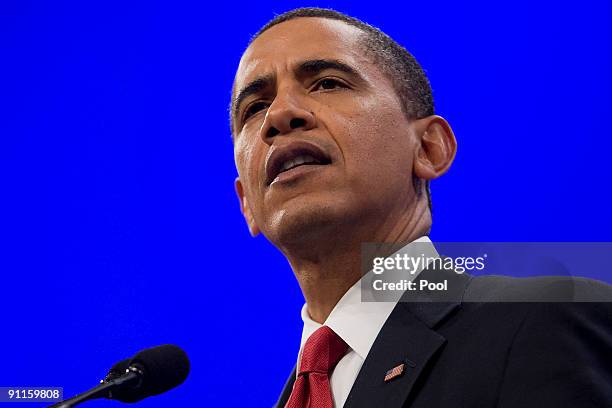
(305, 158)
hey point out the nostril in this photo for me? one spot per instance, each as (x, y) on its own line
(272, 132)
(297, 123)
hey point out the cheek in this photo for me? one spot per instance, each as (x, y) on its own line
(247, 160)
(379, 144)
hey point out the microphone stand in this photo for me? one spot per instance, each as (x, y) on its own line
(131, 378)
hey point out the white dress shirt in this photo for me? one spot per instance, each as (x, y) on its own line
(358, 324)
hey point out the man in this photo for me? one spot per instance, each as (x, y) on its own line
(335, 142)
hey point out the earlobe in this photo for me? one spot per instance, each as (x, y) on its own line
(436, 147)
(246, 210)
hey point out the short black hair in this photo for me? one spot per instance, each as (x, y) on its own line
(399, 65)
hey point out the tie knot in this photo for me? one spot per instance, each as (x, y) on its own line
(322, 351)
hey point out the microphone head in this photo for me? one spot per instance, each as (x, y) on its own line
(117, 370)
(163, 368)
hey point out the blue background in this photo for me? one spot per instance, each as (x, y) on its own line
(119, 224)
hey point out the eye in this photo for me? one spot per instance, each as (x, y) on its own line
(253, 109)
(328, 83)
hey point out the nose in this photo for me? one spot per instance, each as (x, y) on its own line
(286, 114)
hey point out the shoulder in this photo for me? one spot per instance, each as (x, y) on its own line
(496, 288)
(560, 332)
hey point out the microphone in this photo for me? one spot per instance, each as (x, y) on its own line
(150, 372)
(117, 370)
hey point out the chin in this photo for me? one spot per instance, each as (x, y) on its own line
(303, 225)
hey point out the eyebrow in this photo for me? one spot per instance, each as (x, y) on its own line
(304, 69)
(313, 67)
(255, 86)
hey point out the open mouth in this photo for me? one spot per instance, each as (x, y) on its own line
(291, 156)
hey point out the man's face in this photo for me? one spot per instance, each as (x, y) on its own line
(308, 93)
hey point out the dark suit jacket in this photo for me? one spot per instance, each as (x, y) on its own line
(481, 348)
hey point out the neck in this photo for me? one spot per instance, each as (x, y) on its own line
(327, 268)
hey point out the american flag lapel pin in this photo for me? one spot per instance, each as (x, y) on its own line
(395, 372)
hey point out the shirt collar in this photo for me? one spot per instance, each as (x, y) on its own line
(357, 323)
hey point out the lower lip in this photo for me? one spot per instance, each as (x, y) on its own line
(295, 173)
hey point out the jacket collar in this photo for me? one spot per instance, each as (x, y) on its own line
(408, 337)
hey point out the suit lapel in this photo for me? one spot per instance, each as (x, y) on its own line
(408, 337)
(284, 397)
(403, 340)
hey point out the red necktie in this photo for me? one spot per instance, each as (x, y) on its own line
(321, 353)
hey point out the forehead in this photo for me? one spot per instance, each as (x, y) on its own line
(304, 38)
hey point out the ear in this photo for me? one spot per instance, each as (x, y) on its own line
(246, 210)
(436, 147)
